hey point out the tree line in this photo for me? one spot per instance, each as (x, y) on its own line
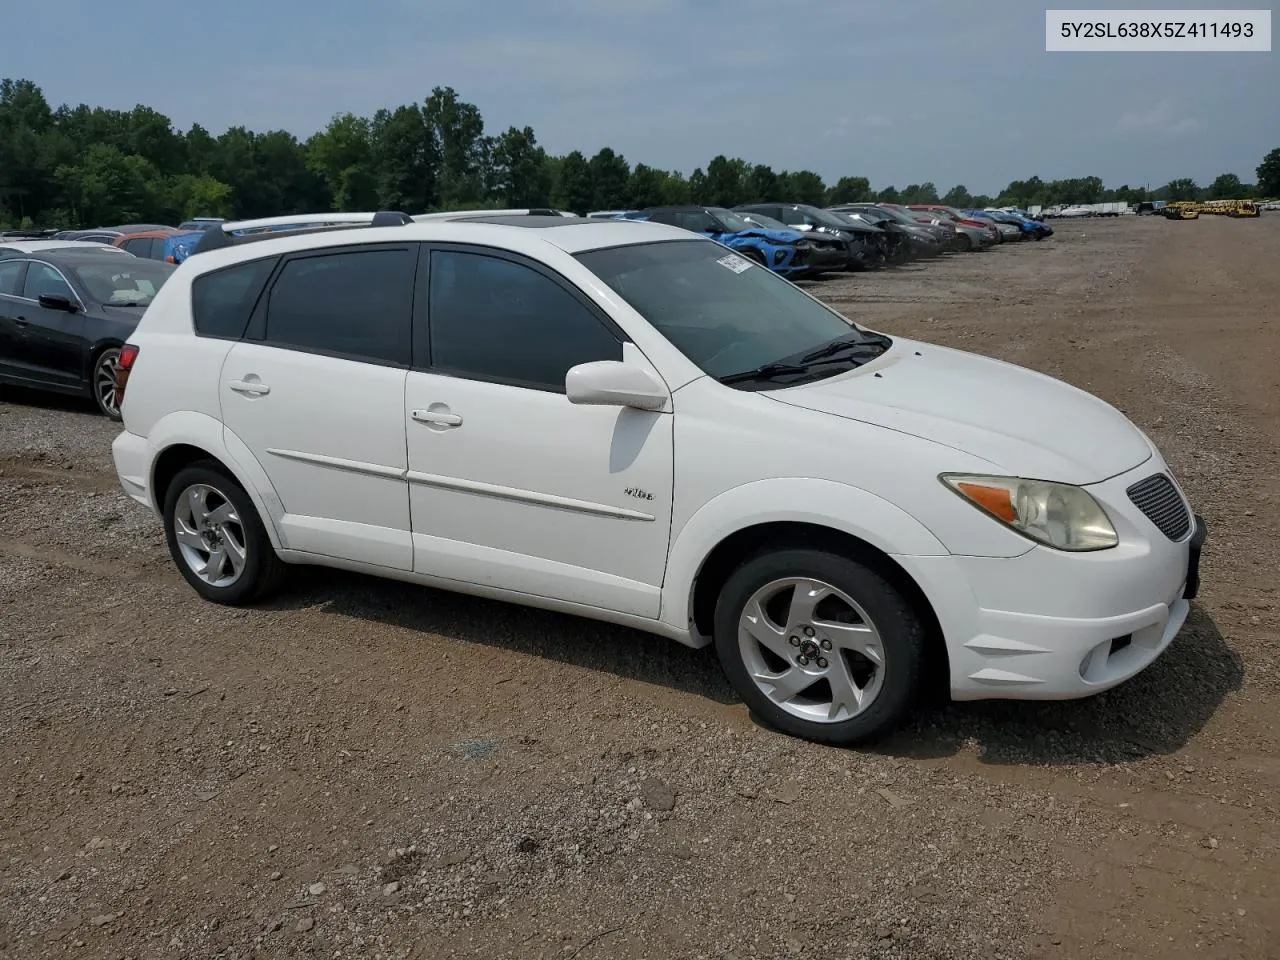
(88, 166)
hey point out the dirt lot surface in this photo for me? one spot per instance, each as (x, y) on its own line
(365, 769)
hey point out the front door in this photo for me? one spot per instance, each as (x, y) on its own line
(316, 392)
(13, 319)
(510, 485)
(54, 345)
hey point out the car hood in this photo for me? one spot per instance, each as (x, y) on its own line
(773, 236)
(1021, 422)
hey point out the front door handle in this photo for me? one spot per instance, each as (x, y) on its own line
(21, 321)
(252, 388)
(438, 417)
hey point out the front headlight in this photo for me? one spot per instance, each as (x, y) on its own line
(1058, 515)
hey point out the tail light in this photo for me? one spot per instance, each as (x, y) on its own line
(128, 355)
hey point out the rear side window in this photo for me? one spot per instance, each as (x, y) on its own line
(497, 320)
(354, 304)
(139, 248)
(10, 273)
(222, 301)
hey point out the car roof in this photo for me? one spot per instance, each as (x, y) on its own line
(151, 234)
(43, 246)
(92, 253)
(530, 235)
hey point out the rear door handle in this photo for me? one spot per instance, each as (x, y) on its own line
(437, 417)
(251, 388)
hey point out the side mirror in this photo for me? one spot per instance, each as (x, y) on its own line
(56, 301)
(617, 384)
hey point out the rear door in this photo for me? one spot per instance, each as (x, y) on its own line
(316, 392)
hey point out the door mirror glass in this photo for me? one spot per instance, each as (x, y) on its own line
(615, 383)
(56, 301)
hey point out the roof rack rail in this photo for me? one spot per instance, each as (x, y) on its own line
(468, 214)
(234, 233)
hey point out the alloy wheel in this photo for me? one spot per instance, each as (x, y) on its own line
(210, 535)
(811, 649)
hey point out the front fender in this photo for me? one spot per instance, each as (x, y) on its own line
(196, 429)
(825, 503)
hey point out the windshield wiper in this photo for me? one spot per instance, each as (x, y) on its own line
(765, 372)
(866, 347)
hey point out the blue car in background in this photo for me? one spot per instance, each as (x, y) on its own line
(179, 246)
(1031, 229)
(785, 252)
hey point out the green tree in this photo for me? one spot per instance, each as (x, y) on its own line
(760, 185)
(108, 186)
(342, 153)
(724, 181)
(644, 189)
(458, 129)
(520, 169)
(919, 193)
(697, 186)
(888, 195)
(850, 190)
(803, 186)
(573, 189)
(406, 158)
(1269, 175)
(958, 196)
(1226, 186)
(1183, 188)
(610, 174)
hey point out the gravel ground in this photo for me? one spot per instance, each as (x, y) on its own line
(367, 769)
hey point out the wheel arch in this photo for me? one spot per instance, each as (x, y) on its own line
(727, 555)
(185, 438)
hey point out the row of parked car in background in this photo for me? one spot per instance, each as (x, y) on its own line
(800, 240)
(70, 298)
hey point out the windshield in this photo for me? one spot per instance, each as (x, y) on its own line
(895, 214)
(134, 283)
(733, 222)
(760, 220)
(721, 311)
(862, 216)
(825, 217)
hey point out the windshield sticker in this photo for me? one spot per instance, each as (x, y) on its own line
(734, 262)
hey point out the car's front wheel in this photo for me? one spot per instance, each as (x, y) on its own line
(216, 537)
(819, 645)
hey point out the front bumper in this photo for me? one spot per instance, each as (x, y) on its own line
(1050, 625)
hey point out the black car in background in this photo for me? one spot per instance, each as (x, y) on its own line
(906, 241)
(64, 315)
(864, 244)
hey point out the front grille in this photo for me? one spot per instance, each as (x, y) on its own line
(1161, 503)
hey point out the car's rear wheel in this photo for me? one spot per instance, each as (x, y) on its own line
(216, 537)
(819, 646)
(103, 381)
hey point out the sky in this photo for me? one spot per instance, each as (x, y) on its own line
(900, 91)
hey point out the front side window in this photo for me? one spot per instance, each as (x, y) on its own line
(44, 280)
(139, 248)
(498, 320)
(720, 311)
(355, 303)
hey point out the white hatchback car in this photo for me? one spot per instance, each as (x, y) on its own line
(626, 421)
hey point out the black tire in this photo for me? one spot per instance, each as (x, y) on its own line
(263, 570)
(901, 633)
(104, 363)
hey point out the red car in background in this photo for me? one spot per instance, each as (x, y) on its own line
(951, 213)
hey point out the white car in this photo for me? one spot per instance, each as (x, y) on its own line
(630, 422)
(15, 247)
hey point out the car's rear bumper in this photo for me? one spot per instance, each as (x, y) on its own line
(132, 458)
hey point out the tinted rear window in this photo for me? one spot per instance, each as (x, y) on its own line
(222, 301)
